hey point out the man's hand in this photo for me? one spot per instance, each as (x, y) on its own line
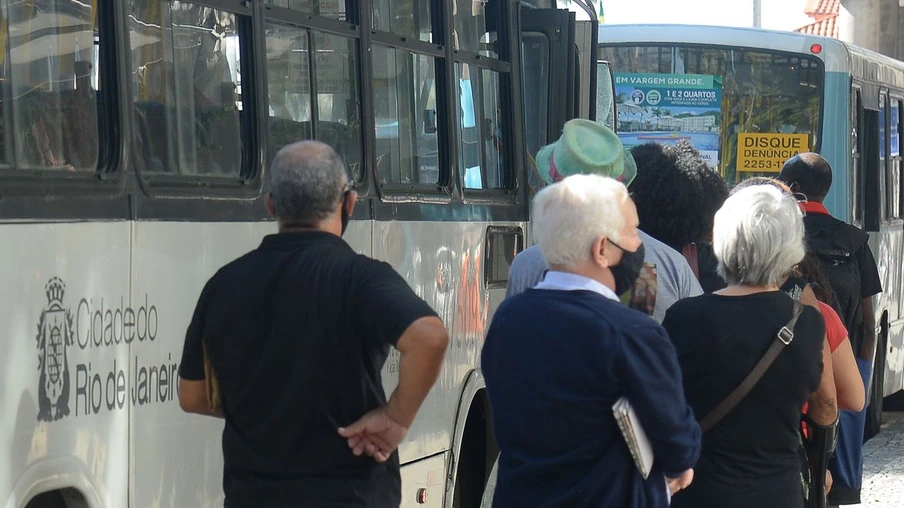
(682, 482)
(377, 434)
(828, 481)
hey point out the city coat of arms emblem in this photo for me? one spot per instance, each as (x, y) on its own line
(55, 334)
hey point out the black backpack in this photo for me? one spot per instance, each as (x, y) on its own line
(834, 248)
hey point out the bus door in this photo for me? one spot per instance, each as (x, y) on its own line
(549, 62)
(559, 69)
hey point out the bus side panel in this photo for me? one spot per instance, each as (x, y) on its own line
(444, 263)
(176, 458)
(441, 261)
(423, 483)
(836, 142)
(63, 360)
(888, 249)
(887, 244)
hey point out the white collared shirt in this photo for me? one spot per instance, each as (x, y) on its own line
(566, 281)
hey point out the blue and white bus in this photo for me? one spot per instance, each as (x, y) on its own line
(749, 99)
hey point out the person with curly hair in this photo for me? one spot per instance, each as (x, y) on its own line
(677, 196)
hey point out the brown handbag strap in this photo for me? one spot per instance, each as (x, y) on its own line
(689, 251)
(782, 339)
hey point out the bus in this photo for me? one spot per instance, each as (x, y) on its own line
(134, 148)
(749, 99)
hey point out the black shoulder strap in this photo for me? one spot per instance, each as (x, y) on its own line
(782, 339)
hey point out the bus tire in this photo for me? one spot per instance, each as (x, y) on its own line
(877, 387)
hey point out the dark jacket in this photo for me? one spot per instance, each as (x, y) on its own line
(555, 362)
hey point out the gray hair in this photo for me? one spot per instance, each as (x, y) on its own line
(569, 215)
(758, 236)
(307, 181)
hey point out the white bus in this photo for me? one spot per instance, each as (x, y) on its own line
(135, 137)
(749, 99)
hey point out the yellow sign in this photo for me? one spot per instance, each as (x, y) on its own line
(767, 152)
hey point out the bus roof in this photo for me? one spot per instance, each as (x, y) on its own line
(835, 53)
(837, 56)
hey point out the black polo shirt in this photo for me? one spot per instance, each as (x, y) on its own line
(297, 332)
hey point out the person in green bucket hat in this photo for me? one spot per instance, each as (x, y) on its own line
(586, 147)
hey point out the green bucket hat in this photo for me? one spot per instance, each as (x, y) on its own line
(586, 148)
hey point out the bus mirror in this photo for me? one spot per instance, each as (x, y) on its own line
(605, 95)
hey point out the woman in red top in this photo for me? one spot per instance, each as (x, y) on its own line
(848, 383)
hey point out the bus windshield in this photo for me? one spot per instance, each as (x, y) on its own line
(743, 109)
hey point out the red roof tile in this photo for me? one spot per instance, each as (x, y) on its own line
(818, 8)
(827, 27)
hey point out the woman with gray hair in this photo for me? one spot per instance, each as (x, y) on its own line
(740, 333)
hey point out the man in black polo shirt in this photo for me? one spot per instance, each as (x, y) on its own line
(296, 333)
(847, 262)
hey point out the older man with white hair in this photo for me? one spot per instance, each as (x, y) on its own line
(558, 356)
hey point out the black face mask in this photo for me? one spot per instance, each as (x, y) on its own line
(343, 214)
(628, 270)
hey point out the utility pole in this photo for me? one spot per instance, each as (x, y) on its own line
(757, 13)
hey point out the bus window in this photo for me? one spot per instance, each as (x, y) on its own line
(535, 51)
(870, 188)
(480, 128)
(333, 9)
(883, 167)
(313, 94)
(405, 114)
(605, 99)
(289, 85)
(483, 104)
(894, 152)
(186, 71)
(471, 33)
(492, 130)
(408, 18)
(48, 78)
(338, 103)
(710, 95)
(503, 244)
(856, 156)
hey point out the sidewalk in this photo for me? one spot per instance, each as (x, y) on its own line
(883, 466)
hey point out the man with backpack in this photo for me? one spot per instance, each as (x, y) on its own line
(847, 262)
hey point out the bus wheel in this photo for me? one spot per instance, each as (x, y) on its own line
(877, 388)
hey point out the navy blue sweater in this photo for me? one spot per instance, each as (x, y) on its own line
(555, 362)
